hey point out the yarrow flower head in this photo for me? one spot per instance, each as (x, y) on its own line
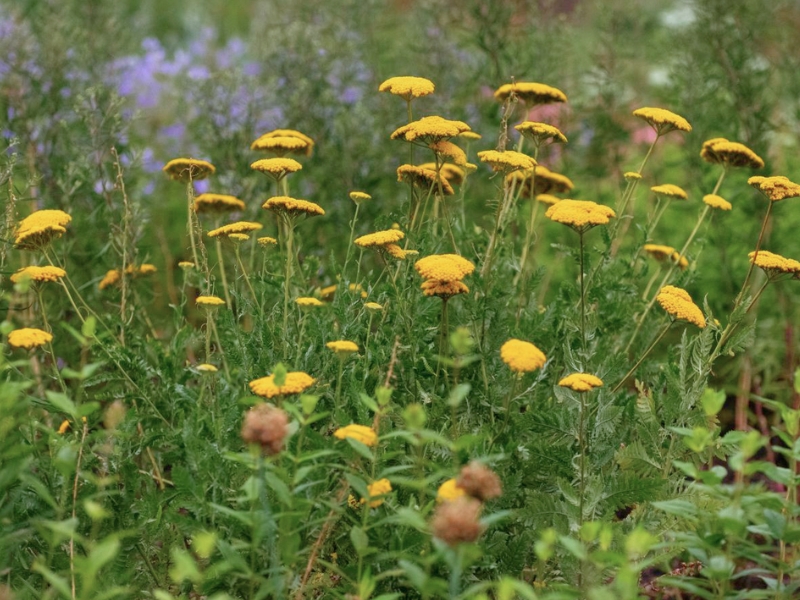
(113, 276)
(733, 154)
(217, 203)
(479, 481)
(774, 263)
(661, 252)
(407, 87)
(377, 490)
(237, 227)
(530, 93)
(444, 267)
(457, 521)
(292, 207)
(277, 168)
(430, 129)
(40, 228)
(547, 199)
(342, 348)
(540, 181)
(267, 426)
(308, 302)
(267, 241)
(206, 368)
(449, 491)
(581, 215)
(662, 120)
(209, 302)
(38, 274)
(678, 303)
(632, 176)
(775, 188)
(373, 306)
(359, 197)
(424, 178)
(443, 289)
(717, 202)
(289, 141)
(29, 338)
(669, 190)
(581, 382)
(452, 174)
(379, 238)
(188, 169)
(521, 356)
(296, 382)
(507, 161)
(540, 133)
(449, 152)
(360, 433)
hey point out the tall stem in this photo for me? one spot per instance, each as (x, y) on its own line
(289, 227)
(583, 299)
(224, 277)
(641, 360)
(755, 256)
(190, 222)
(245, 275)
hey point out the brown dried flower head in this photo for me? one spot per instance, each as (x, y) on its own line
(266, 425)
(457, 521)
(480, 482)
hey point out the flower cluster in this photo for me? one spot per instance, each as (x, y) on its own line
(443, 274)
(237, 227)
(774, 263)
(430, 129)
(581, 382)
(284, 141)
(360, 433)
(277, 168)
(267, 426)
(293, 207)
(718, 202)
(40, 228)
(661, 252)
(342, 348)
(38, 274)
(296, 382)
(407, 87)
(662, 120)
(669, 190)
(424, 178)
(580, 214)
(188, 169)
(521, 356)
(217, 203)
(507, 161)
(678, 303)
(530, 93)
(539, 133)
(733, 154)
(776, 187)
(29, 338)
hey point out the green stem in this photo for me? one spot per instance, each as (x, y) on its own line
(289, 234)
(639, 362)
(224, 277)
(246, 276)
(583, 297)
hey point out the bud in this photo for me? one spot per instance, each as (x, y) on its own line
(480, 482)
(266, 425)
(457, 521)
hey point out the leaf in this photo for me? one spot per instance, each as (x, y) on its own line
(62, 403)
(360, 540)
(458, 394)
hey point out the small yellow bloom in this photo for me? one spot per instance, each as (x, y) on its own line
(581, 382)
(662, 120)
(267, 241)
(379, 238)
(430, 129)
(237, 227)
(277, 168)
(449, 151)
(38, 274)
(734, 154)
(718, 202)
(238, 238)
(62, 429)
(424, 178)
(544, 180)
(669, 190)
(507, 161)
(360, 433)
(678, 303)
(217, 203)
(186, 264)
(359, 197)
(395, 251)
(448, 491)
(209, 301)
(661, 252)
(580, 214)
(188, 169)
(774, 262)
(342, 347)
(443, 289)
(631, 175)
(530, 93)
(280, 145)
(373, 306)
(308, 302)
(40, 228)
(407, 87)
(521, 356)
(377, 489)
(539, 133)
(206, 368)
(262, 144)
(469, 135)
(444, 267)
(111, 277)
(29, 337)
(295, 383)
(547, 199)
(451, 173)
(293, 207)
(775, 188)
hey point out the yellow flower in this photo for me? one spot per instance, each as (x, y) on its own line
(29, 338)
(581, 382)
(734, 154)
(507, 161)
(308, 302)
(521, 356)
(280, 145)
(774, 262)
(373, 306)
(377, 489)
(469, 136)
(111, 278)
(277, 168)
(443, 289)
(186, 264)
(630, 175)
(395, 251)
(662, 120)
(266, 241)
(62, 429)
(580, 214)
(660, 252)
(379, 238)
(669, 190)
(40, 228)
(238, 238)
(209, 302)
(295, 383)
(327, 293)
(530, 93)
(342, 347)
(548, 199)
(359, 197)
(775, 188)
(217, 203)
(262, 142)
(679, 304)
(547, 182)
(444, 267)
(407, 87)
(449, 151)
(715, 201)
(430, 129)
(360, 433)
(38, 274)
(143, 269)
(539, 133)
(206, 368)
(188, 169)
(423, 178)
(448, 491)
(292, 206)
(451, 173)
(237, 227)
